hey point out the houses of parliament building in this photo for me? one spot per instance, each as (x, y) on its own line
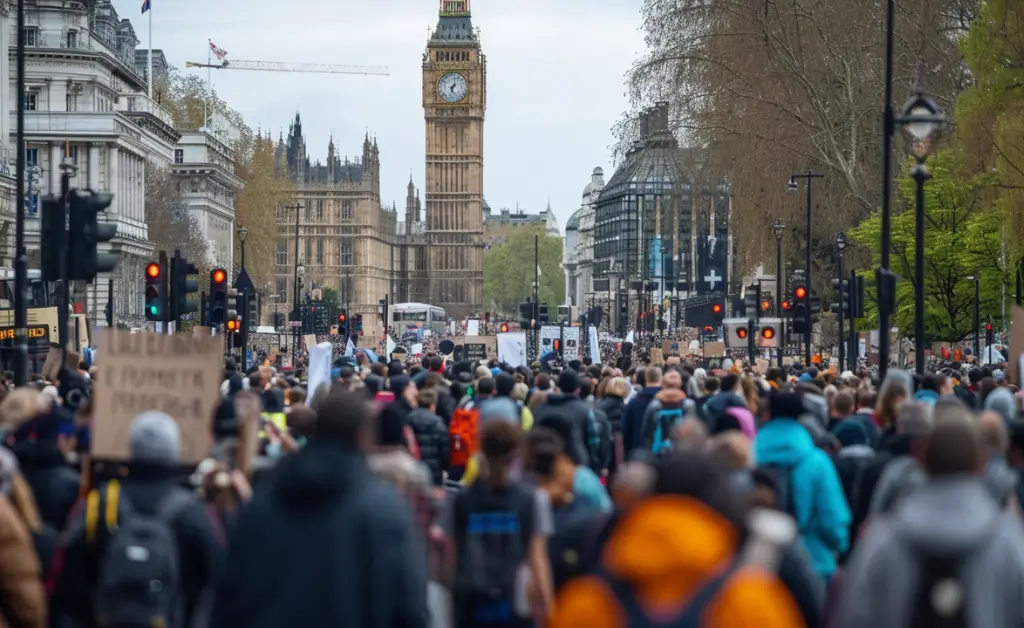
(366, 251)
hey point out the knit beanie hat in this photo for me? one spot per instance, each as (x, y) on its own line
(155, 438)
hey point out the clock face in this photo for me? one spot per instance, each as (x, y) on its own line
(452, 87)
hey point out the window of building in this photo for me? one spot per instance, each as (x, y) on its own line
(320, 210)
(320, 251)
(179, 155)
(31, 100)
(308, 257)
(346, 210)
(72, 102)
(281, 288)
(282, 251)
(347, 248)
(72, 40)
(73, 154)
(31, 36)
(32, 157)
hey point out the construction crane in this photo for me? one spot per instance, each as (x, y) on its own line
(277, 66)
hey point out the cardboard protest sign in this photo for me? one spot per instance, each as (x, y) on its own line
(656, 356)
(178, 374)
(478, 347)
(714, 349)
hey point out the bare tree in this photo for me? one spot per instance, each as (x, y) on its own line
(772, 87)
(168, 221)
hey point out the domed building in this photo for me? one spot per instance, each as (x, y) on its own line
(661, 233)
(579, 244)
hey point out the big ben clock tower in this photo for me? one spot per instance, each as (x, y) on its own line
(454, 99)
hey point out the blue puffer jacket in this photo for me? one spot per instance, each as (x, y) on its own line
(822, 513)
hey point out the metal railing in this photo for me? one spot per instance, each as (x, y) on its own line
(140, 103)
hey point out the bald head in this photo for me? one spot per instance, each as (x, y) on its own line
(690, 434)
(995, 437)
(672, 379)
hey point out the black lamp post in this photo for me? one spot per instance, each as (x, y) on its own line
(810, 177)
(922, 123)
(780, 283)
(243, 233)
(841, 243)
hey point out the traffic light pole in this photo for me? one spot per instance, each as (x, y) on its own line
(20, 254)
(842, 315)
(63, 293)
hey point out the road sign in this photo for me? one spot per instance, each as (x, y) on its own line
(295, 323)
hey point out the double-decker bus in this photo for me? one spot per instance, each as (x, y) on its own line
(407, 317)
(42, 320)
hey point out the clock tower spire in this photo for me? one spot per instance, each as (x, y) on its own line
(454, 101)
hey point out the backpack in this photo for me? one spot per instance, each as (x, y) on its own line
(782, 482)
(139, 579)
(599, 442)
(689, 617)
(492, 534)
(940, 601)
(464, 435)
(667, 419)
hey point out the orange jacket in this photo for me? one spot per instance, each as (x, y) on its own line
(666, 547)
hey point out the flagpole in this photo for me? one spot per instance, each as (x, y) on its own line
(209, 87)
(150, 65)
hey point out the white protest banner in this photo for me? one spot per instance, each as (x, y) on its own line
(512, 348)
(179, 374)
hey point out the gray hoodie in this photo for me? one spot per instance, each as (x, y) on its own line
(901, 476)
(946, 517)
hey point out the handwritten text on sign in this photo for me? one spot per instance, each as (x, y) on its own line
(178, 374)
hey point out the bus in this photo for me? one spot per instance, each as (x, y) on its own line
(42, 321)
(406, 317)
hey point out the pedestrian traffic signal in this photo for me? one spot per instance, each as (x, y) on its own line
(766, 305)
(53, 237)
(182, 286)
(556, 344)
(990, 334)
(542, 313)
(86, 233)
(156, 290)
(359, 323)
(738, 332)
(218, 296)
(232, 325)
(525, 314)
(768, 333)
(741, 333)
(504, 328)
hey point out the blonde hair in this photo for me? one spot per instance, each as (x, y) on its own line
(617, 387)
(520, 392)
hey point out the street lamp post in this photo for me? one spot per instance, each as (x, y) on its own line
(243, 233)
(300, 272)
(841, 243)
(922, 123)
(977, 315)
(809, 178)
(780, 281)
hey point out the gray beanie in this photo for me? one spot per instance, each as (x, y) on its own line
(155, 438)
(1001, 400)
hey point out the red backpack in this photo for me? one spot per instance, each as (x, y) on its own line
(464, 434)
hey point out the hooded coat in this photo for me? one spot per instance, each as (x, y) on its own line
(822, 514)
(949, 517)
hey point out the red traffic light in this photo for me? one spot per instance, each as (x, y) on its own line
(504, 328)
(557, 344)
(219, 276)
(231, 325)
(786, 304)
(765, 304)
(153, 270)
(768, 333)
(717, 308)
(741, 333)
(341, 318)
(988, 326)
(800, 292)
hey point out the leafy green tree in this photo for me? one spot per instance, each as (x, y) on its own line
(509, 271)
(962, 239)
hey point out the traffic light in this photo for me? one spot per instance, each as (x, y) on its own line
(769, 331)
(52, 236)
(766, 304)
(182, 286)
(556, 344)
(359, 323)
(218, 296)
(990, 334)
(504, 328)
(844, 298)
(156, 289)
(750, 301)
(86, 233)
(232, 325)
(542, 313)
(786, 305)
(709, 330)
(525, 314)
(741, 333)
(718, 311)
(343, 323)
(801, 311)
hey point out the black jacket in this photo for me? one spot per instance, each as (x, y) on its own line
(574, 410)
(200, 552)
(54, 483)
(324, 542)
(613, 408)
(432, 438)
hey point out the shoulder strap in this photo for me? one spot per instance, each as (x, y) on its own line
(690, 615)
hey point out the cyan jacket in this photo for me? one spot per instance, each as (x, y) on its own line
(822, 514)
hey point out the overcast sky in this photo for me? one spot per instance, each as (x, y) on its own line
(555, 81)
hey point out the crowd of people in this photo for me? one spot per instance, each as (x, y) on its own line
(431, 493)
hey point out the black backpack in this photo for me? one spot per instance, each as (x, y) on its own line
(139, 578)
(492, 534)
(782, 481)
(941, 600)
(691, 616)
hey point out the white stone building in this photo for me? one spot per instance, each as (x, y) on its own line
(86, 100)
(579, 244)
(204, 167)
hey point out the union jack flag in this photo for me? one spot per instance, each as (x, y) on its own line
(220, 53)
(145, 6)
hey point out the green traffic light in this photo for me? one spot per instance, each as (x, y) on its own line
(154, 310)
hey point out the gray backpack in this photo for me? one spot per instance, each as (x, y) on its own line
(139, 581)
